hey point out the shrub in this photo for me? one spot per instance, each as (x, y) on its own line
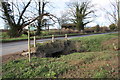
(112, 27)
(97, 28)
(56, 47)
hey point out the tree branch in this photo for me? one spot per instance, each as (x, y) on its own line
(23, 12)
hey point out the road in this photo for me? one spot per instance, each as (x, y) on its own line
(13, 47)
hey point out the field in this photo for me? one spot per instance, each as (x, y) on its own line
(99, 60)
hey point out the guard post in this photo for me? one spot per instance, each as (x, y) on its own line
(66, 37)
(34, 39)
(52, 38)
(29, 51)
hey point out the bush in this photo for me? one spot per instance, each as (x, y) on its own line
(112, 27)
(5, 35)
(97, 28)
(57, 47)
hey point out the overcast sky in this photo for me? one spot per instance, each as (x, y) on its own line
(60, 6)
(99, 4)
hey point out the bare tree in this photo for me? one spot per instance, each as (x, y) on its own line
(64, 18)
(22, 17)
(41, 5)
(46, 23)
(112, 14)
(81, 12)
(16, 26)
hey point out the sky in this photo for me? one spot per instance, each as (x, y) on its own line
(60, 6)
(99, 4)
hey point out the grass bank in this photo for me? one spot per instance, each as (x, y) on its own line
(95, 62)
(68, 66)
(94, 43)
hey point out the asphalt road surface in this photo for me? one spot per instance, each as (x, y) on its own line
(13, 47)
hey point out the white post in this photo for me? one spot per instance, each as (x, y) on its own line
(29, 42)
(118, 9)
(52, 38)
(66, 37)
(118, 24)
(34, 40)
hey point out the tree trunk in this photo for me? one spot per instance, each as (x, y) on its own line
(80, 27)
(39, 21)
(48, 28)
(15, 31)
(38, 30)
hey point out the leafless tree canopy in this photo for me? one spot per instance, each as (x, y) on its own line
(20, 14)
(81, 12)
(112, 14)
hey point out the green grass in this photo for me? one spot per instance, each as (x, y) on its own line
(93, 43)
(24, 37)
(49, 67)
(45, 34)
(39, 67)
(101, 74)
(53, 67)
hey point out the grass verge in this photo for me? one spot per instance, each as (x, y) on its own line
(93, 64)
(23, 38)
(53, 67)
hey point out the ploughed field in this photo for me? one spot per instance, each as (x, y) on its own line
(97, 58)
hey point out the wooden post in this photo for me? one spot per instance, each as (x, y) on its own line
(52, 38)
(29, 42)
(118, 24)
(34, 40)
(66, 37)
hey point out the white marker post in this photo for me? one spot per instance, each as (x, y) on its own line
(34, 39)
(118, 24)
(29, 42)
(66, 37)
(52, 38)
